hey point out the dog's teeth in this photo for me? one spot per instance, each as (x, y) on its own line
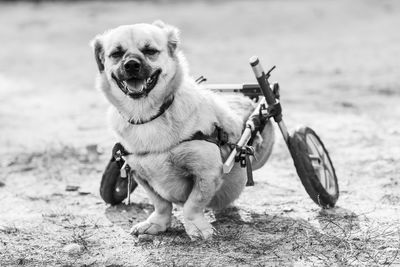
(128, 89)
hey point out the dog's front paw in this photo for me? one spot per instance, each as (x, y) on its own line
(147, 227)
(199, 229)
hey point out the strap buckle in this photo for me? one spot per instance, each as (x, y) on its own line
(243, 157)
(125, 172)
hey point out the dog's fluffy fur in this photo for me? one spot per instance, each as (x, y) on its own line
(172, 171)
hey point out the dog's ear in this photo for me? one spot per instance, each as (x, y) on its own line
(159, 23)
(173, 39)
(172, 35)
(98, 52)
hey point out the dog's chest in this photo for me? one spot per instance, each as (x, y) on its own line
(152, 137)
(156, 136)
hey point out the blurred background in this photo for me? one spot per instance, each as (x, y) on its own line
(338, 64)
(329, 52)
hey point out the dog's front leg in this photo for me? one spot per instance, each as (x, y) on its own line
(196, 225)
(159, 220)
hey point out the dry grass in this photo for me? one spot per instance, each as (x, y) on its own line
(338, 241)
(242, 237)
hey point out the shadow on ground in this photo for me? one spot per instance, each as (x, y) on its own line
(335, 234)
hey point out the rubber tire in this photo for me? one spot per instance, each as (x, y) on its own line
(299, 152)
(113, 188)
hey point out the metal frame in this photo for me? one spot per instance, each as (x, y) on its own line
(269, 106)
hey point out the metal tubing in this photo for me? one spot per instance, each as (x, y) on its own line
(246, 135)
(228, 165)
(223, 86)
(248, 89)
(284, 131)
(268, 94)
(262, 80)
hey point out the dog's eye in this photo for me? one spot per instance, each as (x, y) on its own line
(117, 54)
(150, 51)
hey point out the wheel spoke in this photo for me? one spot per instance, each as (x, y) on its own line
(327, 180)
(321, 163)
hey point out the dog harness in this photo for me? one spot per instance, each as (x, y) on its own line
(218, 137)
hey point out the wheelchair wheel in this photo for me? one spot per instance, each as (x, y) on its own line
(314, 167)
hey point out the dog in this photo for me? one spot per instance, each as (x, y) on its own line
(156, 110)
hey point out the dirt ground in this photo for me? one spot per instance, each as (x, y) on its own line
(338, 67)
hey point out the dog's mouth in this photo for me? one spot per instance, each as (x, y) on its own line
(137, 88)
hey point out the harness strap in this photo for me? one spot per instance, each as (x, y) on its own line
(219, 137)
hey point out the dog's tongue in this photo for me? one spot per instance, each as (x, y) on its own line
(135, 85)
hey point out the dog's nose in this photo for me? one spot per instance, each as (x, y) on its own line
(133, 65)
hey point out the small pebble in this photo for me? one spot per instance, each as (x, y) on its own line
(287, 209)
(72, 248)
(71, 188)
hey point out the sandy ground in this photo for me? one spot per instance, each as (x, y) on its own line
(338, 66)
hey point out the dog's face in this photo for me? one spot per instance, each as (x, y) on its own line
(137, 60)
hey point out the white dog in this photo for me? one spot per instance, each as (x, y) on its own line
(161, 116)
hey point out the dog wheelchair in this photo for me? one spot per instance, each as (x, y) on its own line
(310, 157)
